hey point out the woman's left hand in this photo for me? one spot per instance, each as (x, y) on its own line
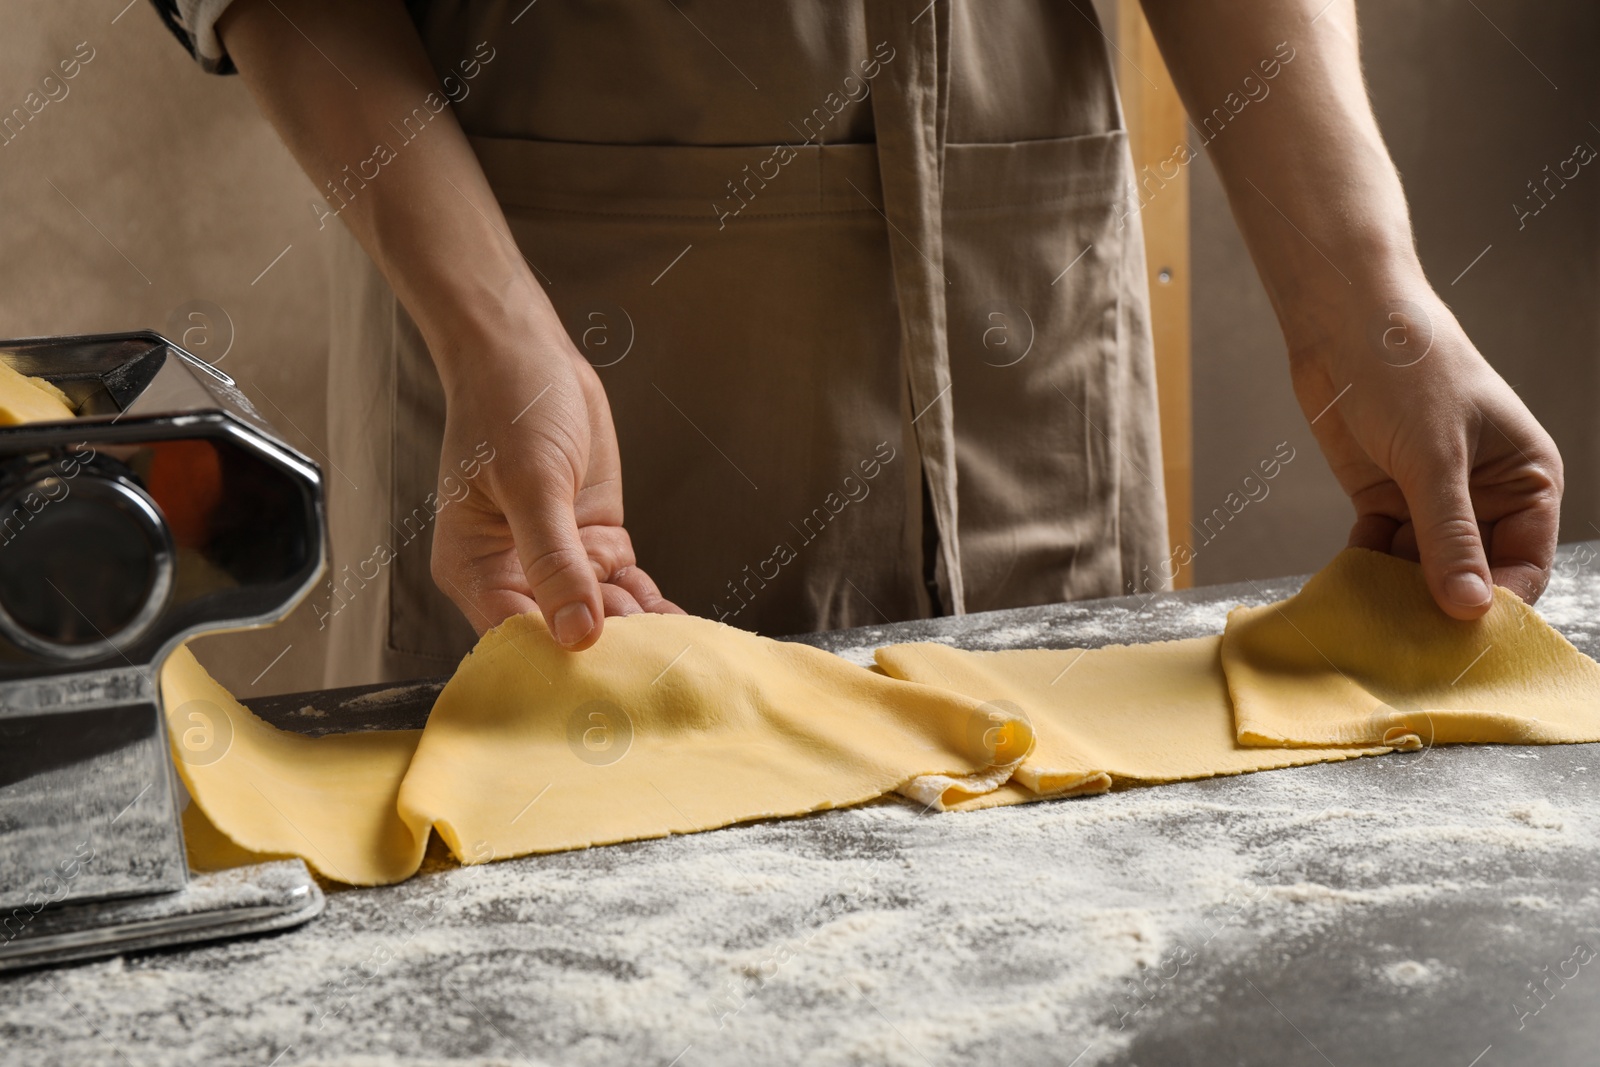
(1441, 459)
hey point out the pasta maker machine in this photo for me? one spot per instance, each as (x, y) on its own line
(167, 508)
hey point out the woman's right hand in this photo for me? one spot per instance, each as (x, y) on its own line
(541, 525)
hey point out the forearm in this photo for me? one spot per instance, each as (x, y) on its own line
(1311, 184)
(417, 201)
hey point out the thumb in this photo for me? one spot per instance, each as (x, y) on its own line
(557, 568)
(1450, 544)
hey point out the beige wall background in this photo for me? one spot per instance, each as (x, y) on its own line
(150, 186)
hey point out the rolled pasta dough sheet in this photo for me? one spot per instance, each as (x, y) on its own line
(1123, 714)
(675, 724)
(329, 800)
(1363, 656)
(670, 724)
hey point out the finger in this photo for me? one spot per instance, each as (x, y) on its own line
(1522, 547)
(1405, 544)
(1373, 531)
(472, 564)
(617, 601)
(611, 550)
(555, 562)
(609, 547)
(644, 590)
(1453, 560)
(1522, 542)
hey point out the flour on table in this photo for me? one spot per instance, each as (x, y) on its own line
(1416, 974)
(877, 935)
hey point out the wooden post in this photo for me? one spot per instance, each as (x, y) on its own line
(1156, 127)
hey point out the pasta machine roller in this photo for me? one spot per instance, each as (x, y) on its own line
(167, 508)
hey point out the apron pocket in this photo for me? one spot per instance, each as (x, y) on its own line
(1057, 439)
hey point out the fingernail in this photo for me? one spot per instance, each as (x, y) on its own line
(573, 623)
(1467, 589)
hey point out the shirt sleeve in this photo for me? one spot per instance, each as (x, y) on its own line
(194, 24)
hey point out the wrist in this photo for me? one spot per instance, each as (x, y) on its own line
(1373, 281)
(506, 329)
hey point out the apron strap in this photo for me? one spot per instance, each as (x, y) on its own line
(909, 106)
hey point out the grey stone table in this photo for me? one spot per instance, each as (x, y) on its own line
(1433, 908)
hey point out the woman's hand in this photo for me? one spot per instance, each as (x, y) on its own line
(542, 524)
(1440, 458)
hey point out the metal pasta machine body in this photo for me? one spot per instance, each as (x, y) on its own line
(167, 508)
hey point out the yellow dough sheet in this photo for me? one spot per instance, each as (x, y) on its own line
(674, 724)
(24, 399)
(670, 724)
(331, 800)
(1107, 716)
(1362, 656)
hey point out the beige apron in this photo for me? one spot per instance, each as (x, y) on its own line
(854, 279)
